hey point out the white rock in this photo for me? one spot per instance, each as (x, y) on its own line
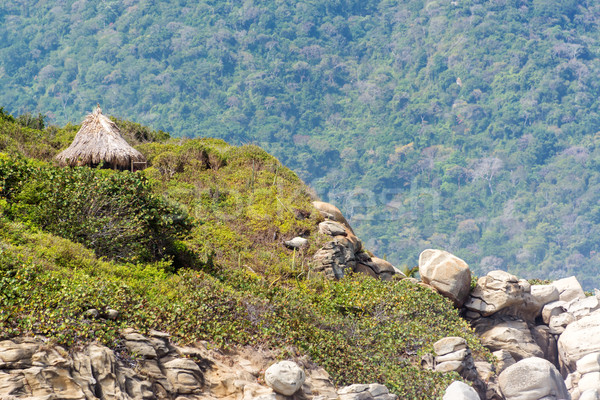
(583, 307)
(285, 377)
(569, 289)
(589, 381)
(448, 366)
(455, 356)
(592, 394)
(552, 309)
(532, 379)
(544, 294)
(460, 391)
(579, 339)
(449, 344)
(559, 322)
(589, 363)
(447, 273)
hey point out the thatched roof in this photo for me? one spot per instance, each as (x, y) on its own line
(99, 140)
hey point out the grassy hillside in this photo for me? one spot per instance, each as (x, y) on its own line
(466, 125)
(193, 246)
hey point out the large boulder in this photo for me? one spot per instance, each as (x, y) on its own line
(507, 333)
(532, 379)
(496, 291)
(460, 391)
(285, 377)
(447, 273)
(569, 289)
(579, 339)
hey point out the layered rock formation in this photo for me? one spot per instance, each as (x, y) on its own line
(344, 251)
(151, 367)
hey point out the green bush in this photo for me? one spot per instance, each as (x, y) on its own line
(114, 213)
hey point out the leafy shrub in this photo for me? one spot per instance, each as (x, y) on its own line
(115, 214)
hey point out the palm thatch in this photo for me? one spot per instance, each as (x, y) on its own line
(99, 141)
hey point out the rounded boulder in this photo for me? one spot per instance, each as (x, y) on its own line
(285, 377)
(448, 274)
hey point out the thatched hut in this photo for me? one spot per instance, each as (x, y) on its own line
(99, 141)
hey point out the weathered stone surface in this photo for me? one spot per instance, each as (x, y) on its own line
(334, 258)
(454, 356)
(552, 309)
(532, 379)
(332, 228)
(365, 269)
(496, 291)
(377, 389)
(485, 370)
(184, 375)
(544, 294)
(589, 363)
(355, 388)
(559, 322)
(449, 344)
(447, 273)
(534, 302)
(382, 266)
(505, 359)
(331, 212)
(285, 377)
(579, 339)
(547, 342)
(580, 308)
(569, 289)
(460, 391)
(450, 366)
(589, 381)
(592, 394)
(512, 335)
(32, 369)
(365, 392)
(16, 355)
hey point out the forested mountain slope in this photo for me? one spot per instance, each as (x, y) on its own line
(465, 125)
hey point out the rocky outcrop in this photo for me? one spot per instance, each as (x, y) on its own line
(150, 367)
(344, 252)
(447, 273)
(532, 329)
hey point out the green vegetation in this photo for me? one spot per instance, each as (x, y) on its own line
(196, 250)
(465, 125)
